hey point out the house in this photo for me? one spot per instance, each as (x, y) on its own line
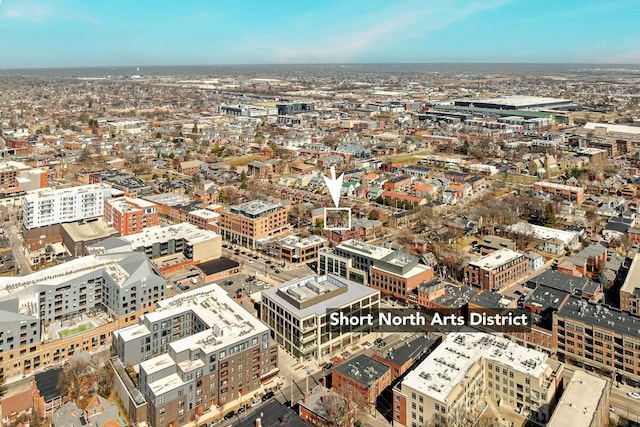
(536, 260)
(99, 413)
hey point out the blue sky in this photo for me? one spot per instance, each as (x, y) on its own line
(57, 33)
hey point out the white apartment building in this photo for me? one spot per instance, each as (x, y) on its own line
(467, 369)
(297, 313)
(48, 206)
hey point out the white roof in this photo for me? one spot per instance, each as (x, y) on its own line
(184, 230)
(580, 400)
(635, 130)
(449, 363)
(366, 249)
(496, 259)
(544, 233)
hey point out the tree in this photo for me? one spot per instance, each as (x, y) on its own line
(549, 214)
(374, 215)
(72, 382)
(105, 380)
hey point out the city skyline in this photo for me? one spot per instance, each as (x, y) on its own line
(70, 33)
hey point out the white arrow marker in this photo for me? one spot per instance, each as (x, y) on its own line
(334, 185)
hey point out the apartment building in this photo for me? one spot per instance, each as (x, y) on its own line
(197, 350)
(351, 259)
(468, 368)
(48, 206)
(17, 177)
(181, 208)
(296, 312)
(397, 183)
(630, 290)
(564, 192)
(71, 307)
(249, 222)
(584, 402)
(127, 127)
(399, 275)
(602, 337)
(169, 247)
(130, 216)
(496, 270)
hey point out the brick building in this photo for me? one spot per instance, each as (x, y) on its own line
(496, 270)
(130, 216)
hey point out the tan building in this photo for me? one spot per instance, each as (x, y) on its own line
(584, 403)
(630, 290)
(249, 222)
(297, 249)
(468, 368)
(496, 270)
(565, 192)
(399, 275)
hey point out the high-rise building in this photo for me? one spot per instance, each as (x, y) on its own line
(296, 312)
(197, 350)
(49, 315)
(48, 206)
(468, 368)
(249, 222)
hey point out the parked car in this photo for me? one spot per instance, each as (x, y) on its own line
(327, 366)
(230, 415)
(277, 271)
(216, 422)
(368, 345)
(268, 395)
(634, 394)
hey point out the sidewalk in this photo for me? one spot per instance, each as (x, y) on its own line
(215, 413)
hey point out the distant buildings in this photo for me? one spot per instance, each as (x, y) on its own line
(296, 312)
(17, 177)
(630, 290)
(496, 270)
(561, 191)
(249, 222)
(197, 350)
(468, 368)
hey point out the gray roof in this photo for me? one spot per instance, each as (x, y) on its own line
(546, 297)
(362, 369)
(564, 282)
(407, 350)
(601, 315)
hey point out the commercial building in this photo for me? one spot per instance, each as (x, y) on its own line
(249, 222)
(630, 290)
(130, 216)
(181, 208)
(496, 270)
(17, 177)
(599, 336)
(584, 402)
(296, 312)
(76, 236)
(563, 192)
(516, 102)
(401, 356)
(468, 368)
(171, 247)
(49, 315)
(48, 206)
(398, 275)
(197, 350)
(361, 380)
(297, 249)
(351, 259)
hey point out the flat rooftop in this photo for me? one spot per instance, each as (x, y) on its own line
(544, 233)
(520, 101)
(92, 230)
(169, 199)
(601, 316)
(448, 364)
(496, 259)
(365, 249)
(301, 242)
(303, 289)
(157, 234)
(580, 401)
(255, 208)
(362, 369)
(58, 192)
(558, 186)
(127, 204)
(632, 281)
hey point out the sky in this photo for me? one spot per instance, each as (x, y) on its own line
(87, 33)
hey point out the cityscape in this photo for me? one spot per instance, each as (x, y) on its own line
(313, 232)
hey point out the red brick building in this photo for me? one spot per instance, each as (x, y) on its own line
(130, 216)
(361, 380)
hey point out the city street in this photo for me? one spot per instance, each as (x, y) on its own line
(22, 265)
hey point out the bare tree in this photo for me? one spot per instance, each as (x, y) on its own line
(73, 382)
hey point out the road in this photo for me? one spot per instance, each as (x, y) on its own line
(252, 266)
(16, 246)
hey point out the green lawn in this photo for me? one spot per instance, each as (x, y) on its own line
(77, 330)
